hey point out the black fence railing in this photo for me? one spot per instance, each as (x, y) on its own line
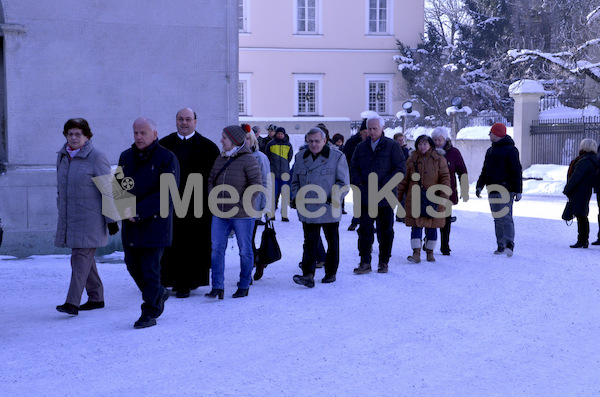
(572, 101)
(557, 141)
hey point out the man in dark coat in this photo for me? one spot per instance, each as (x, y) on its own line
(145, 231)
(502, 167)
(382, 156)
(349, 149)
(185, 265)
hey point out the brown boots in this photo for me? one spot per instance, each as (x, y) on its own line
(416, 256)
(430, 257)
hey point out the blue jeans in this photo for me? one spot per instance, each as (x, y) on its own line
(220, 229)
(504, 225)
(417, 232)
(278, 185)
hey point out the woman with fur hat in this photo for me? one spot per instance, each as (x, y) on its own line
(456, 165)
(235, 168)
(425, 168)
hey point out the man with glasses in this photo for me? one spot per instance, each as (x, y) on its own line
(186, 263)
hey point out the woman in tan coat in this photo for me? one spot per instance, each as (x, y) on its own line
(425, 169)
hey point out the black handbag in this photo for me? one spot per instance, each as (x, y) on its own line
(269, 250)
(567, 214)
(1, 232)
(425, 202)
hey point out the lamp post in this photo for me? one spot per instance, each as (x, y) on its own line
(456, 110)
(406, 113)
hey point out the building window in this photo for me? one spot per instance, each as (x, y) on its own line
(306, 17)
(380, 17)
(379, 97)
(308, 94)
(242, 16)
(244, 94)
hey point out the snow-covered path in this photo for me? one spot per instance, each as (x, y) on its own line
(469, 324)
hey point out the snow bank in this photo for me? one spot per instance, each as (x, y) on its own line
(479, 132)
(567, 113)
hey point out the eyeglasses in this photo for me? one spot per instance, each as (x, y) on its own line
(74, 134)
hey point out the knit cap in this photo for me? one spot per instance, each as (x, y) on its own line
(499, 130)
(236, 134)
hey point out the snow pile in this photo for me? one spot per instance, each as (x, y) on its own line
(567, 113)
(545, 179)
(479, 132)
(525, 86)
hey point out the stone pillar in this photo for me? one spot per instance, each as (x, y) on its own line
(527, 94)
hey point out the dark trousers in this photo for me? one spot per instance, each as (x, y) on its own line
(583, 229)
(385, 234)
(598, 200)
(144, 266)
(312, 235)
(445, 236)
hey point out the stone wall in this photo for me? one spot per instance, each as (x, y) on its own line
(109, 62)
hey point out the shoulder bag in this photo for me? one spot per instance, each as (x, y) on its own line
(269, 250)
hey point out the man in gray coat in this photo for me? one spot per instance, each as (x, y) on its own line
(319, 175)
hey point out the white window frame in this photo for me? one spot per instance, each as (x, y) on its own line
(306, 77)
(387, 78)
(244, 17)
(246, 80)
(389, 4)
(318, 20)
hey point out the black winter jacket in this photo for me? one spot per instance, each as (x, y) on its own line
(502, 166)
(579, 185)
(145, 167)
(386, 161)
(351, 145)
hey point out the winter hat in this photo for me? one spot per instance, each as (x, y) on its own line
(363, 126)
(499, 130)
(280, 129)
(246, 127)
(324, 129)
(236, 134)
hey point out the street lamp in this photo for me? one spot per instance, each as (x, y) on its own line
(456, 110)
(406, 113)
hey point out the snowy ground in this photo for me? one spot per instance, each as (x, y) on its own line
(470, 324)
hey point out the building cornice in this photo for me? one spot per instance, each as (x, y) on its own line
(288, 49)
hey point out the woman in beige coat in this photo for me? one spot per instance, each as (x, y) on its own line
(425, 169)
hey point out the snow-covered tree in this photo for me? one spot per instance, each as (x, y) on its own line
(574, 48)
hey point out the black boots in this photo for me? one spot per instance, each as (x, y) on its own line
(68, 308)
(580, 244)
(89, 305)
(145, 321)
(215, 292)
(363, 268)
(260, 269)
(240, 293)
(306, 280)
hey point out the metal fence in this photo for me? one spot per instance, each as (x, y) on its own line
(572, 101)
(557, 141)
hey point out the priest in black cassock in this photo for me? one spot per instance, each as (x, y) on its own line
(186, 264)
